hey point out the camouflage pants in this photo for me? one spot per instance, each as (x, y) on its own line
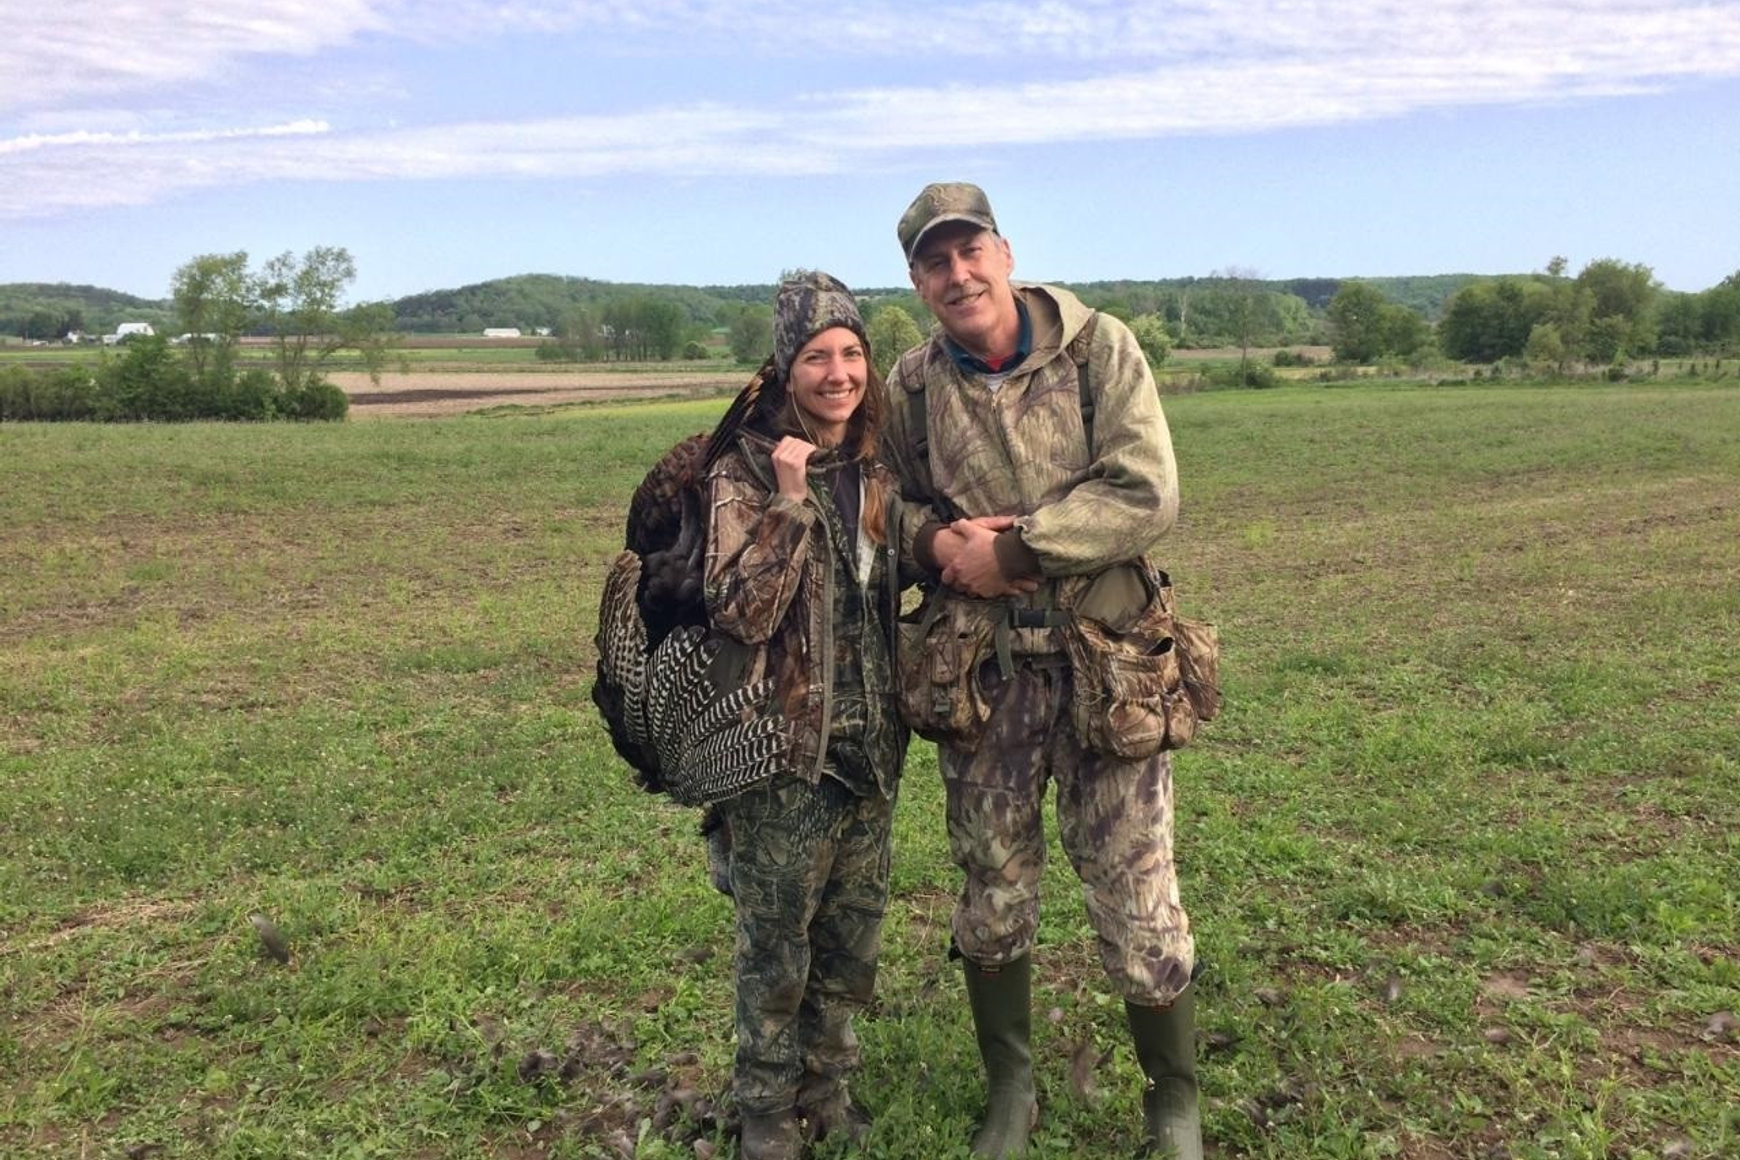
(809, 871)
(1115, 820)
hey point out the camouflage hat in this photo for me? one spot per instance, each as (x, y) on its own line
(808, 304)
(938, 204)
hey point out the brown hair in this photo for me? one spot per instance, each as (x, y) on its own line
(863, 437)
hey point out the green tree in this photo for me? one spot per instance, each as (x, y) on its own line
(1487, 321)
(1356, 322)
(1153, 337)
(1545, 349)
(661, 324)
(752, 333)
(892, 332)
(40, 324)
(1606, 342)
(214, 301)
(1243, 313)
(299, 300)
(1624, 292)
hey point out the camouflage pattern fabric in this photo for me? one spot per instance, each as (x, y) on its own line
(806, 306)
(809, 872)
(761, 588)
(1021, 449)
(1115, 821)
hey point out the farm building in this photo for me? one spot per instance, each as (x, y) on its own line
(128, 330)
(501, 332)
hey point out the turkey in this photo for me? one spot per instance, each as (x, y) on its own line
(672, 693)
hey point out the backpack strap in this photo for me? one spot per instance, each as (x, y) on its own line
(1080, 350)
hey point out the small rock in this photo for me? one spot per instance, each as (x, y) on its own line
(705, 1149)
(1054, 1016)
(1220, 1041)
(1497, 1036)
(1268, 996)
(1676, 1149)
(695, 954)
(1720, 1025)
(271, 938)
(1586, 956)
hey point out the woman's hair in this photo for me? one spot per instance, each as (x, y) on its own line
(863, 438)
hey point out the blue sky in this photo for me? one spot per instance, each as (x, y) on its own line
(704, 141)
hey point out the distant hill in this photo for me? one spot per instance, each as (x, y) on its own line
(92, 309)
(530, 301)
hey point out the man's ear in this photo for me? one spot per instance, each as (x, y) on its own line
(912, 273)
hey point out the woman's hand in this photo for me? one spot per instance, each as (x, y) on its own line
(791, 456)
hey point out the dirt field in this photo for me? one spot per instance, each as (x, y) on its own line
(430, 394)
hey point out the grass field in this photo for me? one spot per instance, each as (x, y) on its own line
(1461, 853)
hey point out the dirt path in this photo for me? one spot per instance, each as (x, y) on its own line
(431, 394)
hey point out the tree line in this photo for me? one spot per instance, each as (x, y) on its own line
(294, 302)
(1609, 312)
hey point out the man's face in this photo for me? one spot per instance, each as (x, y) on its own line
(962, 273)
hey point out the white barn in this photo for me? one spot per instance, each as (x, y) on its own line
(127, 330)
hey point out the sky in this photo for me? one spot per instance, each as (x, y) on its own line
(712, 142)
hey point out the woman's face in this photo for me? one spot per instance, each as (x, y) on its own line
(827, 382)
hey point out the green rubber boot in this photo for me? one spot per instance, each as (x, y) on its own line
(1166, 1048)
(1002, 1002)
(771, 1136)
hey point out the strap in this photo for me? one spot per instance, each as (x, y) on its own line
(1080, 350)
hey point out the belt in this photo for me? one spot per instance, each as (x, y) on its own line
(1023, 618)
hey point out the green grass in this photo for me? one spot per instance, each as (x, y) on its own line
(1461, 853)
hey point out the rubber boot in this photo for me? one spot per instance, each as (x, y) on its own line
(770, 1136)
(1166, 1048)
(1003, 1018)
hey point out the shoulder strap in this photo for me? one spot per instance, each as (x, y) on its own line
(1080, 349)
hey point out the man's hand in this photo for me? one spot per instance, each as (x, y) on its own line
(965, 550)
(791, 457)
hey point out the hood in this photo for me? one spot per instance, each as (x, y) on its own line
(1057, 317)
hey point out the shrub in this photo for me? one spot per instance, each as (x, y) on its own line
(1250, 375)
(316, 399)
(1293, 358)
(693, 350)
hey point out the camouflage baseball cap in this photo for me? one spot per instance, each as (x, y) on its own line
(939, 203)
(808, 304)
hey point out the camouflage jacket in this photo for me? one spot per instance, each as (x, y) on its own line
(1021, 449)
(773, 579)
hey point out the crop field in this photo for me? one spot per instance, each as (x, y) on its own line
(1461, 853)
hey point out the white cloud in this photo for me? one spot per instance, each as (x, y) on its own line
(1105, 70)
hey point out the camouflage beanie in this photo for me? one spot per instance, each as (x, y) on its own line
(808, 304)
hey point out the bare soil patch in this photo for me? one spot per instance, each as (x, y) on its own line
(428, 394)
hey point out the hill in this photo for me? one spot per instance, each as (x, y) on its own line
(1292, 308)
(48, 309)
